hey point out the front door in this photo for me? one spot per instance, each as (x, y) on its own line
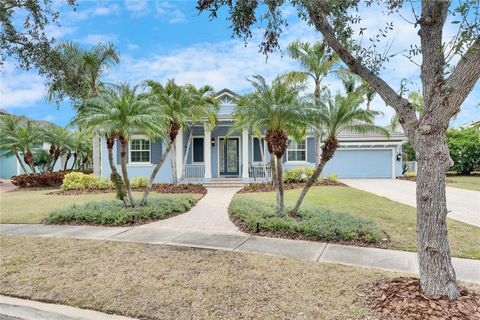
(228, 149)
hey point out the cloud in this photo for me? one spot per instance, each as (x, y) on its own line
(58, 32)
(169, 11)
(106, 10)
(138, 8)
(94, 39)
(19, 89)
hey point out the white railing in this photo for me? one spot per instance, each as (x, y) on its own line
(194, 171)
(411, 166)
(256, 171)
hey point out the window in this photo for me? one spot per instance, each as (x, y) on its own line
(297, 151)
(198, 149)
(139, 151)
(257, 155)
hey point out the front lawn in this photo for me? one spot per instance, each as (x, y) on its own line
(35, 206)
(464, 182)
(395, 219)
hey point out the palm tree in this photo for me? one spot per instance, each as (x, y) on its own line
(81, 147)
(177, 105)
(117, 111)
(340, 113)
(60, 143)
(28, 139)
(317, 61)
(79, 77)
(203, 110)
(9, 140)
(278, 109)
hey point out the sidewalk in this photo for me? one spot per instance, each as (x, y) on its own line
(14, 308)
(389, 260)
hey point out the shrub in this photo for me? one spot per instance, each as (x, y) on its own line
(112, 212)
(332, 177)
(42, 180)
(80, 180)
(410, 174)
(139, 182)
(464, 146)
(318, 223)
(298, 175)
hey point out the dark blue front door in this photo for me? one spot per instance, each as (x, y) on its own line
(228, 149)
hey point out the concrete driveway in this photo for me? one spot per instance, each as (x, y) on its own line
(464, 205)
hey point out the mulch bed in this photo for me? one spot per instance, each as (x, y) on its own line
(384, 244)
(401, 298)
(268, 187)
(157, 187)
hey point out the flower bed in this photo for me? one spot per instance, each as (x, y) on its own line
(41, 180)
(268, 187)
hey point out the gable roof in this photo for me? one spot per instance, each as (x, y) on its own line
(226, 92)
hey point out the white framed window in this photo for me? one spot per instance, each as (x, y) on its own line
(139, 151)
(297, 151)
(197, 150)
(256, 145)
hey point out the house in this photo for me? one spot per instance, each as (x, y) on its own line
(216, 154)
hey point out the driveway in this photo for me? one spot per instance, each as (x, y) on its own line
(464, 205)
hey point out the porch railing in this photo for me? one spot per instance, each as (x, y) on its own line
(194, 171)
(256, 171)
(411, 166)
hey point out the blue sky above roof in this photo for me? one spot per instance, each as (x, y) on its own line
(160, 40)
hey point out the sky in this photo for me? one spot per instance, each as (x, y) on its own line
(160, 40)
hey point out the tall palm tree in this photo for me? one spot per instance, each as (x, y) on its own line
(119, 110)
(316, 61)
(203, 110)
(9, 140)
(79, 77)
(177, 105)
(340, 113)
(278, 109)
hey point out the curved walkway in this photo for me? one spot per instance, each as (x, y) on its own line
(464, 205)
(209, 214)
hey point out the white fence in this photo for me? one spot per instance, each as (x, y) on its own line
(411, 166)
(194, 171)
(257, 172)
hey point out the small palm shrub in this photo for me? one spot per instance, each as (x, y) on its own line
(114, 213)
(297, 175)
(317, 223)
(80, 180)
(139, 182)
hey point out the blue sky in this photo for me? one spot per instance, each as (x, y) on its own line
(160, 40)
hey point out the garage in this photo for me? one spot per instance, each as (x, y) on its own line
(362, 163)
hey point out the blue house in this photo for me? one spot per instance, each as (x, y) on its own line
(216, 154)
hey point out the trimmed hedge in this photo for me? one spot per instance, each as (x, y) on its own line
(41, 180)
(80, 181)
(113, 213)
(317, 223)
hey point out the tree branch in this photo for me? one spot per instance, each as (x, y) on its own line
(402, 106)
(464, 77)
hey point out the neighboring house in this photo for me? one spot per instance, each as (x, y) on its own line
(213, 154)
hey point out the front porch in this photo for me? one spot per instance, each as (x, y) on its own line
(214, 155)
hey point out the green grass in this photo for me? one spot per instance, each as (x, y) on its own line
(318, 223)
(464, 182)
(113, 212)
(34, 206)
(395, 219)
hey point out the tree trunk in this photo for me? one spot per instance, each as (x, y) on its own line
(20, 161)
(173, 163)
(28, 158)
(68, 156)
(154, 173)
(437, 276)
(280, 191)
(123, 157)
(75, 155)
(273, 169)
(114, 176)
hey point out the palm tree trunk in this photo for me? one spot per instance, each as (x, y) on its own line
(173, 163)
(20, 160)
(75, 155)
(28, 158)
(273, 169)
(280, 190)
(123, 157)
(68, 156)
(328, 150)
(114, 176)
(189, 142)
(154, 173)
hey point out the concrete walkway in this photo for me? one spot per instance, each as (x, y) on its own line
(464, 205)
(209, 214)
(390, 260)
(6, 185)
(14, 308)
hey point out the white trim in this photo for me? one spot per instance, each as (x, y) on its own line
(136, 163)
(193, 146)
(244, 166)
(298, 161)
(207, 153)
(218, 153)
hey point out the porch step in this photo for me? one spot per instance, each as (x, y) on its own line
(224, 183)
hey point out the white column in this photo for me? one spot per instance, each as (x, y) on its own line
(179, 153)
(96, 154)
(207, 155)
(245, 154)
